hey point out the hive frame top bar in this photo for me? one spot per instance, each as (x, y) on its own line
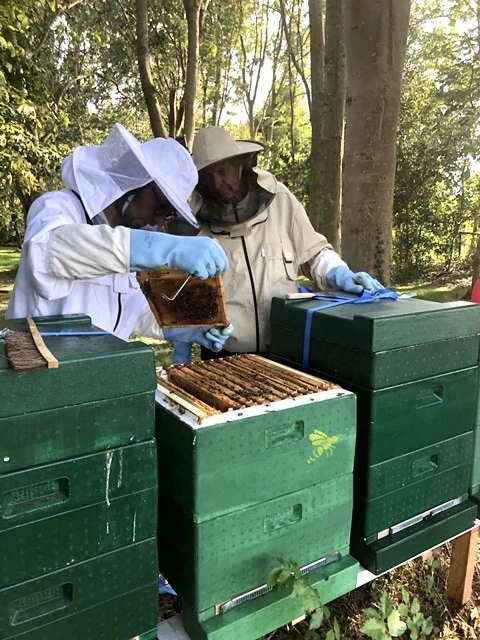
(190, 415)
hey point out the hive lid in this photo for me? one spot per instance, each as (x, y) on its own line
(381, 325)
(96, 367)
(237, 387)
(198, 303)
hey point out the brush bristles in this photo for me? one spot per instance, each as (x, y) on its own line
(22, 352)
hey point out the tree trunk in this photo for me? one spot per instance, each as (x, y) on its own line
(315, 209)
(192, 10)
(157, 124)
(476, 257)
(375, 39)
(326, 183)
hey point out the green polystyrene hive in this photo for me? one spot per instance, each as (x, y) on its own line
(113, 596)
(63, 513)
(229, 464)
(380, 344)
(101, 396)
(217, 559)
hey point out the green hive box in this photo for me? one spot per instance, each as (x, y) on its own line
(475, 478)
(394, 549)
(101, 396)
(63, 513)
(210, 562)
(241, 458)
(401, 488)
(413, 366)
(121, 618)
(380, 344)
(397, 420)
(264, 614)
(113, 596)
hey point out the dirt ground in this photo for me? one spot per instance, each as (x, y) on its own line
(425, 579)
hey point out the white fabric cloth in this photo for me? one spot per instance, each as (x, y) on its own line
(68, 266)
(265, 255)
(102, 174)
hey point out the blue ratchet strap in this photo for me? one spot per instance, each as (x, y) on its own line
(335, 301)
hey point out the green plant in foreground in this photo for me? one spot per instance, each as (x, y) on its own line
(288, 575)
(389, 622)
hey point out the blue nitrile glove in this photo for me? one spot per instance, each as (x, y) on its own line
(213, 339)
(200, 256)
(343, 279)
(182, 352)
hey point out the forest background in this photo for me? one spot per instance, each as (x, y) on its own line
(369, 108)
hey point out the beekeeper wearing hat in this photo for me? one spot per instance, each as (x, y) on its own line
(265, 233)
(83, 244)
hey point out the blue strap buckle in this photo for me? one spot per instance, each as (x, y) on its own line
(335, 301)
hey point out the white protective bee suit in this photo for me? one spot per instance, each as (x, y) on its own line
(268, 239)
(72, 260)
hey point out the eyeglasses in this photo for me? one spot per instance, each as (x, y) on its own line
(163, 204)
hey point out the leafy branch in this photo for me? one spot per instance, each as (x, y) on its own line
(289, 576)
(386, 622)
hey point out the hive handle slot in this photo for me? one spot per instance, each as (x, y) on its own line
(428, 398)
(284, 518)
(40, 603)
(33, 497)
(284, 434)
(425, 465)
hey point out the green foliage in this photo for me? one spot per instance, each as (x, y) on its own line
(436, 191)
(289, 576)
(69, 71)
(386, 621)
(9, 259)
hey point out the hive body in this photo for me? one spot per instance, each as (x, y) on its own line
(413, 366)
(78, 490)
(251, 484)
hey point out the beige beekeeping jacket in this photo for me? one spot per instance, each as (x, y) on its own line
(265, 255)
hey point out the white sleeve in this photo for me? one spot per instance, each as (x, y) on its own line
(147, 325)
(58, 216)
(79, 252)
(321, 264)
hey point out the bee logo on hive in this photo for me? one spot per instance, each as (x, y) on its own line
(322, 444)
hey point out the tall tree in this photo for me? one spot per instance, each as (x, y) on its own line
(375, 39)
(193, 10)
(327, 116)
(146, 80)
(317, 154)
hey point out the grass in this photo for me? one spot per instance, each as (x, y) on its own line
(436, 293)
(9, 258)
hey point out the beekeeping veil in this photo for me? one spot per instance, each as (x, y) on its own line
(103, 174)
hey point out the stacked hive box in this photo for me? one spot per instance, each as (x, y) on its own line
(241, 487)
(78, 490)
(475, 478)
(413, 367)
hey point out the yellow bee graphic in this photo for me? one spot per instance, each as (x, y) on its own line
(322, 443)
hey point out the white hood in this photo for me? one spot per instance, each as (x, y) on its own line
(102, 174)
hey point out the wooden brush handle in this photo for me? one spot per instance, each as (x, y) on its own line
(47, 355)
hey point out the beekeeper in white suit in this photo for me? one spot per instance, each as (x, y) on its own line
(83, 244)
(266, 234)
